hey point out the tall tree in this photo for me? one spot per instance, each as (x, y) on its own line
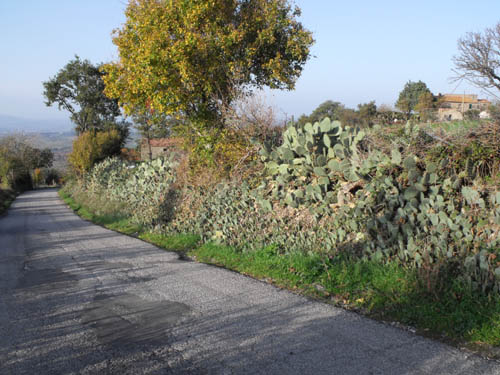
(189, 58)
(409, 96)
(79, 89)
(478, 60)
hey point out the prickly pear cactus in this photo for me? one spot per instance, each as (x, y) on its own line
(142, 187)
(312, 163)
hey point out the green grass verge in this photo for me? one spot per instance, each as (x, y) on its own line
(181, 243)
(388, 292)
(114, 222)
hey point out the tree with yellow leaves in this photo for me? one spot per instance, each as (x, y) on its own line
(187, 58)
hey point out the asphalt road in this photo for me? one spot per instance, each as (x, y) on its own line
(79, 299)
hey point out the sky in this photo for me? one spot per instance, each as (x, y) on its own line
(365, 50)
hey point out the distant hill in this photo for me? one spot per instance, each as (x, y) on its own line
(9, 124)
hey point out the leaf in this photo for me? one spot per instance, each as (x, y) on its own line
(334, 165)
(320, 171)
(326, 140)
(410, 193)
(266, 204)
(396, 157)
(410, 163)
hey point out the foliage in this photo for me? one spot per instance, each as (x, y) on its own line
(142, 188)
(79, 89)
(152, 124)
(472, 114)
(329, 109)
(92, 147)
(425, 106)
(231, 151)
(7, 196)
(37, 176)
(185, 59)
(494, 111)
(409, 97)
(323, 190)
(18, 160)
(130, 154)
(367, 113)
(52, 177)
(312, 163)
(219, 151)
(473, 153)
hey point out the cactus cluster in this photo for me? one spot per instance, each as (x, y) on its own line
(311, 164)
(142, 187)
(400, 208)
(405, 209)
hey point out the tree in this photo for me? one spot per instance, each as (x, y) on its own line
(409, 96)
(367, 112)
(425, 106)
(478, 60)
(79, 89)
(329, 109)
(188, 58)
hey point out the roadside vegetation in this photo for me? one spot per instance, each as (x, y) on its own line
(411, 236)
(386, 212)
(22, 167)
(7, 196)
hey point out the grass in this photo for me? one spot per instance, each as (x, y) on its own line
(387, 292)
(117, 223)
(181, 243)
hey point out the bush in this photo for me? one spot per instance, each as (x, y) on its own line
(471, 115)
(92, 147)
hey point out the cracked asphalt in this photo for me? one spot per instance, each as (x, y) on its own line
(76, 298)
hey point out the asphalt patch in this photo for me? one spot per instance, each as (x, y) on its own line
(46, 280)
(128, 319)
(107, 266)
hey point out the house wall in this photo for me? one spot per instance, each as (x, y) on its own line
(449, 114)
(454, 106)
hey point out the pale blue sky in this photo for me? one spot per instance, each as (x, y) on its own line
(365, 50)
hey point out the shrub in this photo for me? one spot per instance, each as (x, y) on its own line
(92, 147)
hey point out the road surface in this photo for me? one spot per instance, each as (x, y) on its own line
(79, 299)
